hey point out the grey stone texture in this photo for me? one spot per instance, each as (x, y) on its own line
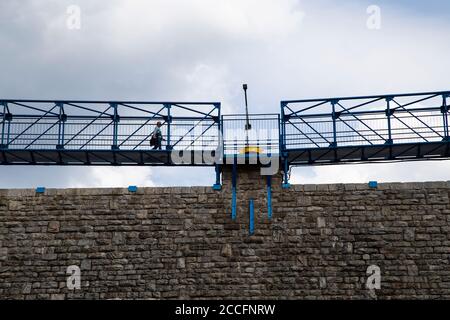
(180, 243)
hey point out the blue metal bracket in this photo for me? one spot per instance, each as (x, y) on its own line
(269, 197)
(251, 226)
(40, 190)
(373, 184)
(286, 185)
(132, 189)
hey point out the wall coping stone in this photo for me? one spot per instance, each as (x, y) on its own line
(208, 190)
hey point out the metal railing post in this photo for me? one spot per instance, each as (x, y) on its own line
(116, 120)
(334, 116)
(61, 126)
(3, 125)
(389, 113)
(219, 153)
(283, 129)
(283, 149)
(7, 118)
(169, 126)
(445, 117)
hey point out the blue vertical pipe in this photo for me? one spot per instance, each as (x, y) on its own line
(251, 225)
(269, 197)
(233, 189)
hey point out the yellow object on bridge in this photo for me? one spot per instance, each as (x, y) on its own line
(251, 149)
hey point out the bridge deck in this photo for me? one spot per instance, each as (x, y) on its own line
(375, 153)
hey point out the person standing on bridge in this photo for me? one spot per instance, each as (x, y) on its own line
(157, 138)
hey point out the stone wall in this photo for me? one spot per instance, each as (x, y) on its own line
(181, 242)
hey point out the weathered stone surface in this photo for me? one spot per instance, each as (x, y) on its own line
(227, 250)
(53, 227)
(182, 243)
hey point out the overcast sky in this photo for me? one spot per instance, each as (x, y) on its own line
(204, 50)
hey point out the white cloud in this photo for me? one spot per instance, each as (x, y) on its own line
(115, 177)
(202, 49)
(382, 172)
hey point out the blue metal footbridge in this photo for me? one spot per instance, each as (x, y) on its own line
(395, 127)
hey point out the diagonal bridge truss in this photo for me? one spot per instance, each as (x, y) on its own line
(400, 127)
(46, 132)
(395, 127)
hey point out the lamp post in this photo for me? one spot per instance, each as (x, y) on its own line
(248, 126)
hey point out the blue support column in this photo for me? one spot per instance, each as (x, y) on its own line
(283, 129)
(269, 197)
(116, 120)
(251, 225)
(233, 190)
(286, 184)
(283, 152)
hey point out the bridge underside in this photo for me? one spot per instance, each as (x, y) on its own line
(386, 152)
(101, 157)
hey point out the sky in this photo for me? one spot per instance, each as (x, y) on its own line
(203, 50)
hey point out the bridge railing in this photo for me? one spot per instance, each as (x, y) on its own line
(365, 121)
(100, 125)
(264, 133)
